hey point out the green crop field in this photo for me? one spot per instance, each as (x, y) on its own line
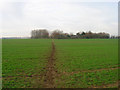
(23, 62)
(77, 63)
(87, 62)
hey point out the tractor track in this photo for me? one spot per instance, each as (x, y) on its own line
(50, 69)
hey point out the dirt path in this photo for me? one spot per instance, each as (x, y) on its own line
(71, 73)
(50, 74)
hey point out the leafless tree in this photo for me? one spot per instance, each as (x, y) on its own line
(40, 33)
(57, 34)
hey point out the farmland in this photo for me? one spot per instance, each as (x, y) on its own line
(66, 63)
(87, 62)
(24, 62)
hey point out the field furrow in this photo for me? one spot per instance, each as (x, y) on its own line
(60, 63)
(50, 69)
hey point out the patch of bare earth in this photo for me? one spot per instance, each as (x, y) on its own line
(71, 73)
(50, 69)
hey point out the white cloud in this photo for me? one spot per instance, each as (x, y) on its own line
(52, 15)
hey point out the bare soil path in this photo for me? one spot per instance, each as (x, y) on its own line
(50, 69)
(71, 73)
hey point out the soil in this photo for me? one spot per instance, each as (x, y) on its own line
(50, 69)
(71, 73)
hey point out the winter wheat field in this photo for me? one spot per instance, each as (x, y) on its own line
(60, 63)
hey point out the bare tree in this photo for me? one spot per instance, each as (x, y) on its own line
(40, 33)
(57, 34)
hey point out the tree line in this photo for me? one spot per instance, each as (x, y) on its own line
(58, 34)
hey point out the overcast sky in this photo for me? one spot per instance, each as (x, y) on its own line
(19, 18)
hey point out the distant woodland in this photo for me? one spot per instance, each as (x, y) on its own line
(58, 34)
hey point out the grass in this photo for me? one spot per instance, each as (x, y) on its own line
(80, 63)
(89, 79)
(23, 58)
(86, 79)
(86, 54)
